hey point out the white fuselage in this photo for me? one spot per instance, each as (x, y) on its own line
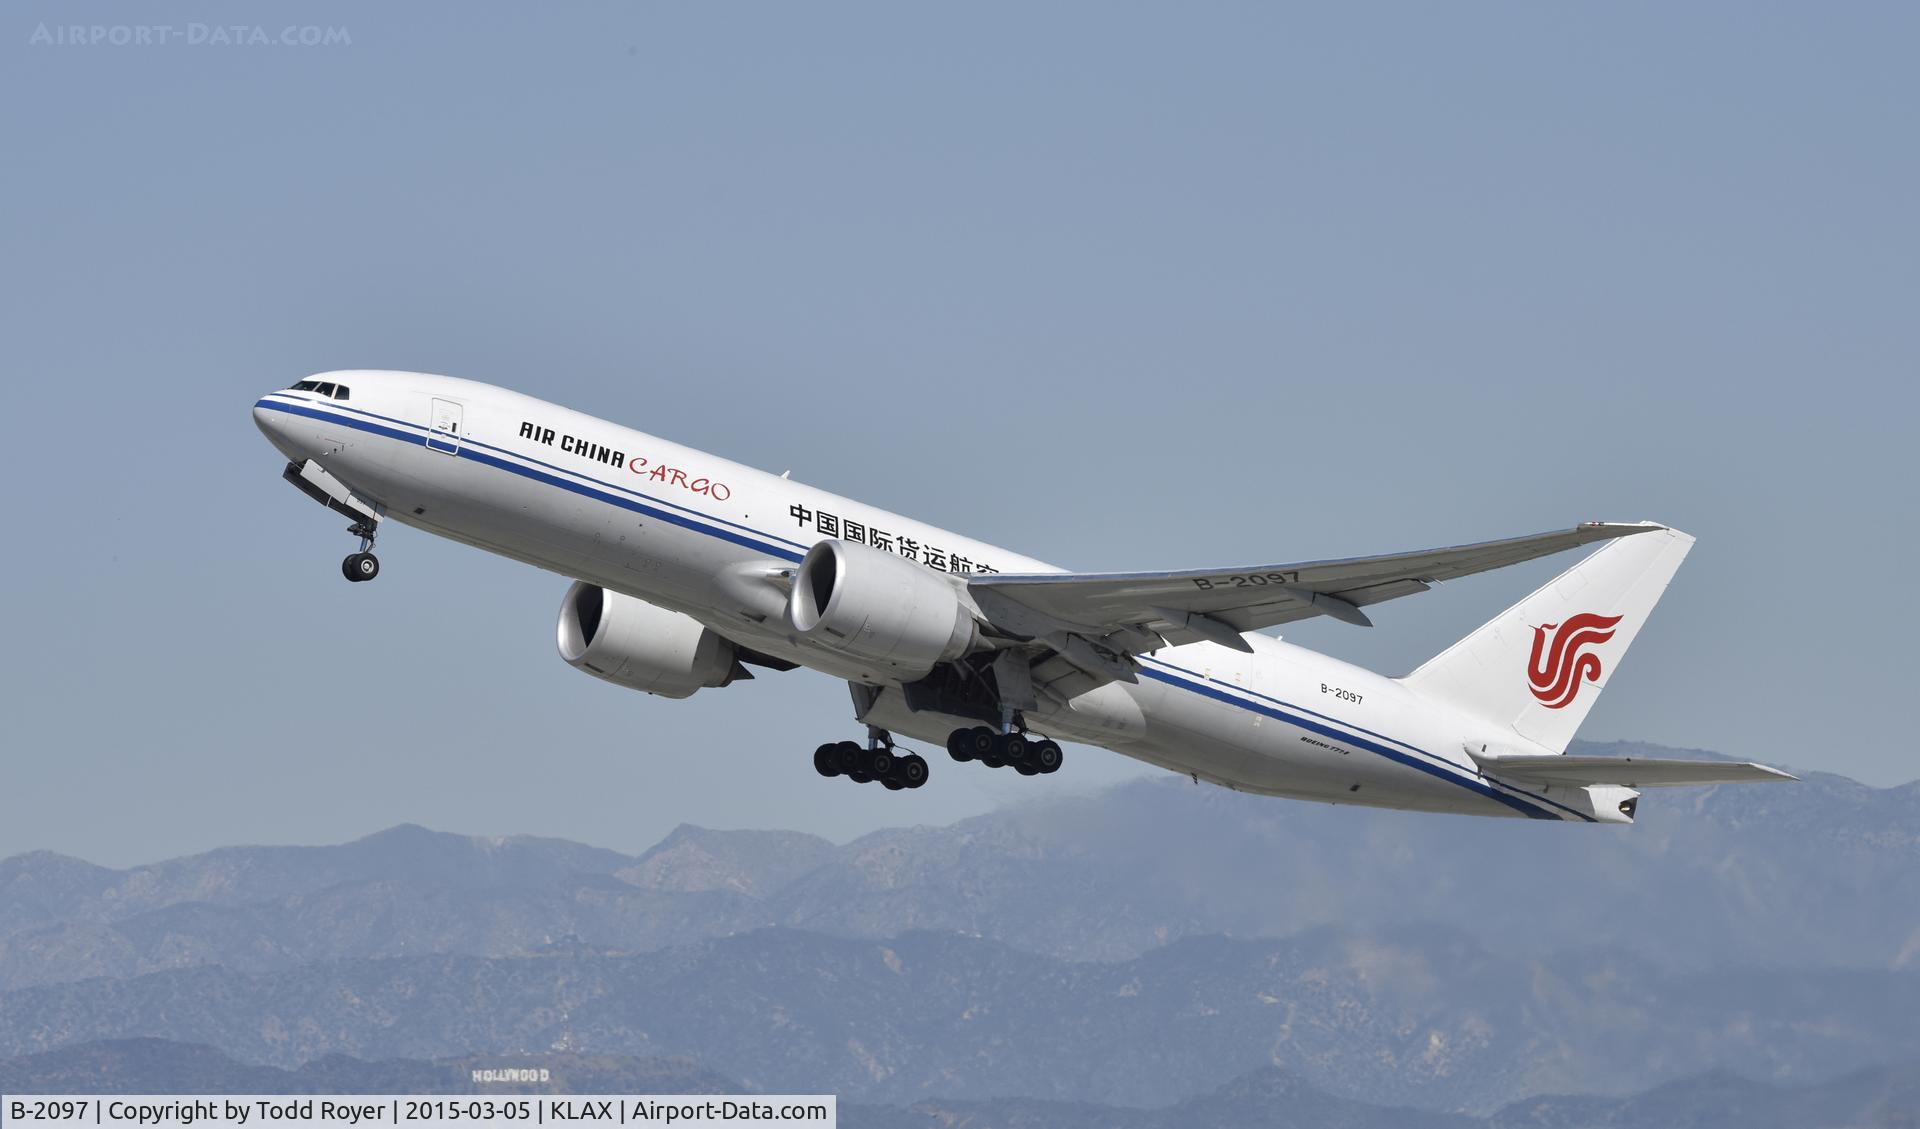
(687, 530)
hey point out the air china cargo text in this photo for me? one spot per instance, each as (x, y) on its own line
(639, 465)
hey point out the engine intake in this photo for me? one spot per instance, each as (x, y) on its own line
(640, 646)
(881, 614)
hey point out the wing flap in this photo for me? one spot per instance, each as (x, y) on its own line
(1632, 772)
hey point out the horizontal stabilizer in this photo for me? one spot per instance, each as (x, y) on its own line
(1633, 772)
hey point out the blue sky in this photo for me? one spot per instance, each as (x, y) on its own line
(1119, 287)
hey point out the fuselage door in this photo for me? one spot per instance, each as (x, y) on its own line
(444, 427)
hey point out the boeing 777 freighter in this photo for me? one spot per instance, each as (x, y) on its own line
(688, 569)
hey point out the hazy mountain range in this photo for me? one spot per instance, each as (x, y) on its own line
(1120, 956)
(1417, 1015)
(1269, 1098)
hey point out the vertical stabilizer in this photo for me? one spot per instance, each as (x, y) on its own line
(1539, 665)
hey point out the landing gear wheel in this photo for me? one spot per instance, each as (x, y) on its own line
(826, 761)
(849, 756)
(1046, 757)
(1015, 749)
(980, 743)
(879, 764)
(910, 770)
(892, 785)
(360, 566)
(960, 745)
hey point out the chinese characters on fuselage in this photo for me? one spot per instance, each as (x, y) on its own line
(859, 533)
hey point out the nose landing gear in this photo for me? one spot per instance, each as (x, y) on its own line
(363, 565)
(312, 479)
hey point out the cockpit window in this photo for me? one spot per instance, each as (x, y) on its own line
(324, 388)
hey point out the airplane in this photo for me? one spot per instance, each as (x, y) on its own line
(689, 569)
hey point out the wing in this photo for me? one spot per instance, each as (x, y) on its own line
(1634, 772)
(1136, 611)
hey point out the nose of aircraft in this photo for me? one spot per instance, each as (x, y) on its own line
(276, 426)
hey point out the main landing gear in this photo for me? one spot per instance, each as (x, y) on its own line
(1011, 749)
(362, 565)
(877, 760)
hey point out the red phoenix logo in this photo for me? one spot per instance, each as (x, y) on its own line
(1559, 665)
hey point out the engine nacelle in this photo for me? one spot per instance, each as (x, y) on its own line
(879, 613)
(637, 645)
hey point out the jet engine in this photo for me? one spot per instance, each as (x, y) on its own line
(878, 613)
(632, 643)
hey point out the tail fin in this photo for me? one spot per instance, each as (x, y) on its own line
(1539, 665)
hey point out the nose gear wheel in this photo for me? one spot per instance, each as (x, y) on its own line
(361, 566)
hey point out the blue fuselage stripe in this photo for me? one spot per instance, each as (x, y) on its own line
(1432, 761)
(600, 491)
(419, 432)
(1391, 754)
(630, 500)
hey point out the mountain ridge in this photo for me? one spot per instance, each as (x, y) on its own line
(1825, 872)
(1266, 1098)
(1419, 1015)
